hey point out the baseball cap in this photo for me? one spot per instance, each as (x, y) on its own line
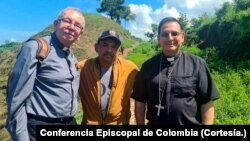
(110, 34)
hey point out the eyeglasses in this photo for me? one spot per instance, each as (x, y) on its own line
(68, 21)
(172, 33)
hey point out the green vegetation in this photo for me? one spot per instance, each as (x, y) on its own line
(228, 31)
(152, 35)
(127, 43)
(83, 49)
(8, 47)
(233, 107)
(142, 53)
(232, 81)
(116, 10)
(222, 40)
(7, 56)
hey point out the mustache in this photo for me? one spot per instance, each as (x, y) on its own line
(109, 54)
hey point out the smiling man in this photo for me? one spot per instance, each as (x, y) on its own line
(106, 83)
(44, 91)
(175, 87)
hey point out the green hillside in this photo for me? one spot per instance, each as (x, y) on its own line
(84, 48)
(221, 39)
(95, 24)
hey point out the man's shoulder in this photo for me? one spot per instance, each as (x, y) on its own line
(127, 63)
(84, 63)
(152, 61)
(33, 42)
(30, 44)
(47, 38)
(123, 60)
(192, 57)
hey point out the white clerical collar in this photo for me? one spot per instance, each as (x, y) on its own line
(170, 59)
(65, 49)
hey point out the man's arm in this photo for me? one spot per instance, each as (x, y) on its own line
(20, 88)
(207, 113)
(208, 93)
(140, 109)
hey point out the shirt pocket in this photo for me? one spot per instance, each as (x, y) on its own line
(183, 86)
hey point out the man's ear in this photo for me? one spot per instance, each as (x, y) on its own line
(183, 36)
(96, 47)
(158, 37)
(56, 22)
(81, 34)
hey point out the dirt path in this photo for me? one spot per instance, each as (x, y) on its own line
(126, 51)
(132, 104)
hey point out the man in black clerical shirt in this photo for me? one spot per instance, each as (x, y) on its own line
(175, 87)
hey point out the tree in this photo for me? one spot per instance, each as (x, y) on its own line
(242, 4)
(7, 41)
(184, 21)
(152, 35)
(226, 12)
(116, 10)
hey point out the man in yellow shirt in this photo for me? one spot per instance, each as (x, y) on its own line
(106, 83)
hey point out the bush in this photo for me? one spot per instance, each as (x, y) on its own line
(142, 53)
(233, 106)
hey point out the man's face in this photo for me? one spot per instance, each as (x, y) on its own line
(107, 50)
(171, 38)
(69, 27)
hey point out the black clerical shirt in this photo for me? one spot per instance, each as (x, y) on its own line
(189, 86)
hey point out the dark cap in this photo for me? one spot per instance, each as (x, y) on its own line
(110, 34)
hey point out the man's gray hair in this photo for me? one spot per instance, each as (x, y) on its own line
(60, 15)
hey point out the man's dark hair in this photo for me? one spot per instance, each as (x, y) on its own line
(167, 20)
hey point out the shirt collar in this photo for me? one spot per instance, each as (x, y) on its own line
(58, 43)
(171, 60)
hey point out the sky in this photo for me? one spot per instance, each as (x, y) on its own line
(24, 18)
